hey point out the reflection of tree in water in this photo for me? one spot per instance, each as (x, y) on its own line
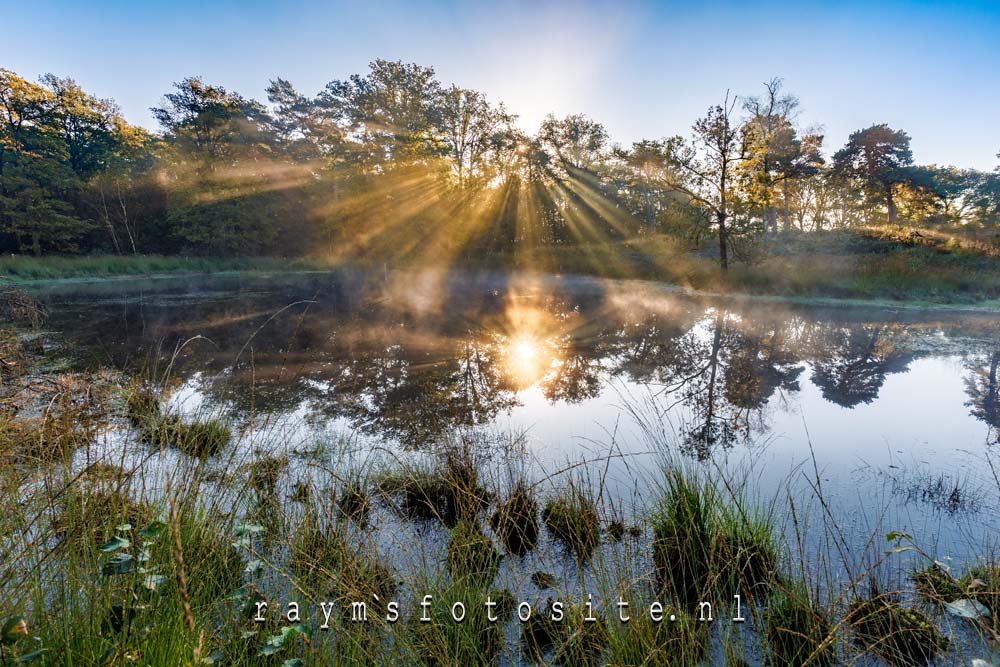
(744, 365)
(399, 374)
(983, 390)
(416, 398)
(851, 363)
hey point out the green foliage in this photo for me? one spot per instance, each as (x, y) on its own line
(684, 532)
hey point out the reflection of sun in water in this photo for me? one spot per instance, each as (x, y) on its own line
(526, 361)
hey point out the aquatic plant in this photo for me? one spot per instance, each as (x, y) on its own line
(200, 438)
(746, 551)
(354, 502)
(516, 520)
(797, 630)
(936, 585)
(571, 516)
(443, 641)
(684, 530)
(471, 554)
(642, 641)
(899, 635)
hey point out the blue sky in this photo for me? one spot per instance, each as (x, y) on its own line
(645, 70)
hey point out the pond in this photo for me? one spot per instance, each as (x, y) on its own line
(874, 394)
(887, 415)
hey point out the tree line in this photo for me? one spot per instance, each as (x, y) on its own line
(395, 161)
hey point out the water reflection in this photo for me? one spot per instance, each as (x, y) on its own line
(349, 350)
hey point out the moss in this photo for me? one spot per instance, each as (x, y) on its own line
(684, 532)
(572, 518)
(471, 555)
(516, 520)
(200, 438)
(797, 630)
(899, 635)
(935, 585)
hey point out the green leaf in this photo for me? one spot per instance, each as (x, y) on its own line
(970, 609)
(153, 530)
(124, 528)
(30, 657)
(120, 563)
(213, 658)
(114, 544)
(293, 662)
(255, 566)
(248, 529)
(897, 535)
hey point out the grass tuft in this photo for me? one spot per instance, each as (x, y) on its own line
(571, 516)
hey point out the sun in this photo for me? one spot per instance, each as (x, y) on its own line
(526, 360)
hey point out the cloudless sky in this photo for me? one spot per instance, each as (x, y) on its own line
(645, 70)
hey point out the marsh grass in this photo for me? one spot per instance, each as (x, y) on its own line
(684, 524)
(447, 488)
(683, 642)
(201, 437)
(571, 516)
(471, 554)
(798, 631)
(515, 520)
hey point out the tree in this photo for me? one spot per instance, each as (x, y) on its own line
(391, 113)
(471, 128)
(877, 157)
(577, 141)
(708, 169)
(770, 118)
(212, 125)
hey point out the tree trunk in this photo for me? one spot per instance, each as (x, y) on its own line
(723, 238)
(786, 210)
(890, 204)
